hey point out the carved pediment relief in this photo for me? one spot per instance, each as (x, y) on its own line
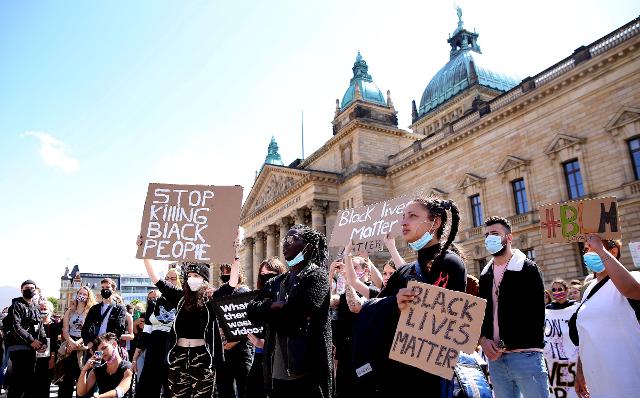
(470, 180)
(511, 162)
(624, 116)
(439, 193)
(270, 184)
(562, 141)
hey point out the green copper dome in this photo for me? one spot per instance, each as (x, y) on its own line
(273, 157)
(466, 67)
(369, 92)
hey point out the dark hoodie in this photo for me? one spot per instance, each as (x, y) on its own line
(26, 323)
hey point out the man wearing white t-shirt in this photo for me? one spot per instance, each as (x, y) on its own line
(512, 335)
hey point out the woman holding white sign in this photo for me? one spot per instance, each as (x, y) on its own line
(607, 325)
(440, 263)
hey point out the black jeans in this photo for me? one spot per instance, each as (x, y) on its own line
(255, 381)
(155, 369)
(71, 374)
(43, 378)
(235, 369)
(302, 387)
(23, 365)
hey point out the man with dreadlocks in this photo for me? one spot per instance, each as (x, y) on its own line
(297, 347)
(439, 263)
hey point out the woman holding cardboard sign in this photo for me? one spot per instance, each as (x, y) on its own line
(439, 263)
(607, 325)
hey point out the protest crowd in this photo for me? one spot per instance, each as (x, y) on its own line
(320, 327)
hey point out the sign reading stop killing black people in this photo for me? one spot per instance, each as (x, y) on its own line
(366, 226)
(232, 315)
(190, 223)
(435, 327)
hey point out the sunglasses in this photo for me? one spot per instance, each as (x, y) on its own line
(559, 289)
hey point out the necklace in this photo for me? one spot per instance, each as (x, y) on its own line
(497, 285)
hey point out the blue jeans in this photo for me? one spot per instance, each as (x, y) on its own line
(518, 374)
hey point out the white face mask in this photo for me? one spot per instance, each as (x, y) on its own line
(195, 283)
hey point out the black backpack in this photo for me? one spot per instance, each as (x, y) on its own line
(7, 325)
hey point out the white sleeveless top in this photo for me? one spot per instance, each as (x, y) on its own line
(609, 343)
(75, 324)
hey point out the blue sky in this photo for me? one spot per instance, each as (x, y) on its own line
(97, 99)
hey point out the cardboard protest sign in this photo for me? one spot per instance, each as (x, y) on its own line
(572, 221)
(634, 248)
(560, 353)
(190, 223)
(366, 226)
(435, 327)
(232, 315)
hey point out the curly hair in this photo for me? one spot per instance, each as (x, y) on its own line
(317, 251)
(438, 208)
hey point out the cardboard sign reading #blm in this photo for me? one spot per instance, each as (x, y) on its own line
(572, 221)
(367, 224)
(232, 315)
(435, 327)
(190, 223)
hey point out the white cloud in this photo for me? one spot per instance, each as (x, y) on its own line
(54, 152)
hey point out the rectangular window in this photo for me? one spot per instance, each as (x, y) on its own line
(476, 210)
(634, 149)
(530, 253)
(520, 196)
(573, 178)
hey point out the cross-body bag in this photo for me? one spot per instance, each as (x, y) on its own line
(573, 328)
(94, 330)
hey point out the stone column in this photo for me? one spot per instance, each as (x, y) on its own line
(258, 254)
(332, 214)
(248, 261)
(317, 217)
(271, 241)
(284, 228)
(298, 216)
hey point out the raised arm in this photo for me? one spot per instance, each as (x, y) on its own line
(150, 271)
(390, 243)
(376, 276)
(351, 277)
(353, 301)
(624, 281)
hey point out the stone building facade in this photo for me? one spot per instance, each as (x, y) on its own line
(493, 144)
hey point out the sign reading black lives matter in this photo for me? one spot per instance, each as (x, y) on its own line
(190, 223)
(435, 327)
(366, 226)
(232, 315)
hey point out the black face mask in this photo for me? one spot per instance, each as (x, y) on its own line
(264, 278)
(105, 293)
(28, 293)
(225, 278)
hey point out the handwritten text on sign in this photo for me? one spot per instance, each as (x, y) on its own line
(232, 315)
(365, 224)
(572, 221)
(190, 222)
(560, 353)
(435, 327)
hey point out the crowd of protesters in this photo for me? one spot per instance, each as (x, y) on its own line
(327, 325)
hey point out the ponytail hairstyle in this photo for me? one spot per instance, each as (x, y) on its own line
(438, 208)
(317, 251)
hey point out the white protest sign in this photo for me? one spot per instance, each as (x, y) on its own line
(634, 247)
(435, 327)
(560, 353)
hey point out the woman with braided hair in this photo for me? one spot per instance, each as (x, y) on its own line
(297, 348)
(440, 263)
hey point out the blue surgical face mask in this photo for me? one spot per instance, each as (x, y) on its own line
(593, 261)
(493, 243)
(297, 259)
(424, 239)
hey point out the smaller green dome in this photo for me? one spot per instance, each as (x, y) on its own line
(273, 157)
(368, 89)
